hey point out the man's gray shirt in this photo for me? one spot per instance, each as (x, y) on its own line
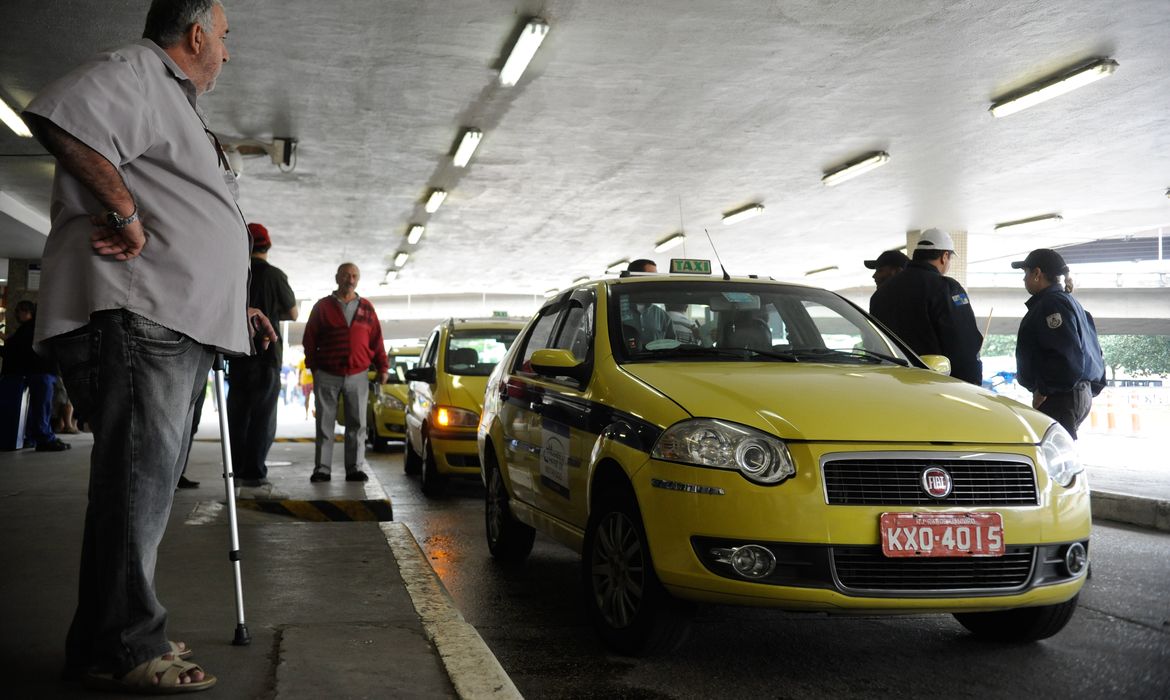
(136, 108)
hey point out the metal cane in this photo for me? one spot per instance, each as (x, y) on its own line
(242, 637)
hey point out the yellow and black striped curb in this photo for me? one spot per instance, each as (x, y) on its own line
(323, 511)
(307, 440)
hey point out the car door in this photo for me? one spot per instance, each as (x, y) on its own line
(419, 396)
(519, 399)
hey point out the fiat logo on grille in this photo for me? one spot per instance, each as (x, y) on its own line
(936, 482)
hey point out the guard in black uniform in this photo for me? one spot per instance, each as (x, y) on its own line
(1058, 356)
(930, 311)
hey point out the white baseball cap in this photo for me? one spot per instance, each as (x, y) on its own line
(935, 239)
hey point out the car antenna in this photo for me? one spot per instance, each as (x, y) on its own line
(726, 277)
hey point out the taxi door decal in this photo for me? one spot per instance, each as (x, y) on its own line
(555, 451)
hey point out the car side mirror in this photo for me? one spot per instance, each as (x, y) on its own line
(558, 363)
(421, 374)
(938, 363)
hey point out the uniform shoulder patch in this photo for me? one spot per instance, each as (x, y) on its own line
(1055, 320)
(960, 299)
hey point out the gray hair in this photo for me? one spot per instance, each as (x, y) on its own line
(167, 21)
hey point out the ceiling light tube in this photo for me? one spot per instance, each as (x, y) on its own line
(401, 258)
(1034, 223)
(391, 275)
(467, 146)
(1052, 87)
(579, 280)
(550, 292)
(415, 234)
(671, 241)
(618, 265)
(854, 168)
(435, 201)
(743, 214)
(14, 122)
(523, 50)
(819, 270)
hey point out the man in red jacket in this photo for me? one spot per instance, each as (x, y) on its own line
(342, 339)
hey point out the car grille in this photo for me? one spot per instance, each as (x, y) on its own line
(866, 569)
(895, 481)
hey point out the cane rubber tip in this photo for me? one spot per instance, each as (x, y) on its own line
(242, 638)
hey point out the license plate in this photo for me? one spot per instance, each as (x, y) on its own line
(942, 534)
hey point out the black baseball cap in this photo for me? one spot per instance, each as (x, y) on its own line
(1048, 260)
(889, 258)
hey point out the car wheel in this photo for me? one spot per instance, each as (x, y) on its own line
(508, 539)
(377, 442)
(433, 483)
(1021, 624)
(629, 607)
(411, 461)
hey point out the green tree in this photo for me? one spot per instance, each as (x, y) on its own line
(996, 345)
(1137, 354)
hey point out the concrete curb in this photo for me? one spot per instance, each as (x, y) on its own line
(1150, 513)
(472, 667)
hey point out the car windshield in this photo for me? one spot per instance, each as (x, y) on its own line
(398, 366)
(475, 353)
(716, 320)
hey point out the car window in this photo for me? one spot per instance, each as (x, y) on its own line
(728, 320)
(430, 351)
(398, 366)
(577, 329)
(476, 352)
(540, 337)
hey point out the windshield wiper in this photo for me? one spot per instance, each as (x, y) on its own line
(858, 353)
(739, 353)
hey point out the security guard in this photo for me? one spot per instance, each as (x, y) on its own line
(930, 311)
(1058, 356)
(888, 264)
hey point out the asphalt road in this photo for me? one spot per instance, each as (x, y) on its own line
(1117, 645)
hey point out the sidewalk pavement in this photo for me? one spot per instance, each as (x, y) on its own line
(335, 609)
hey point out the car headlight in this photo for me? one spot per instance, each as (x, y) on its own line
(1059, 455)
(451, 417)
(713, 443)
(391, 402)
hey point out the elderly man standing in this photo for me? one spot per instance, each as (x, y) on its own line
(342, 339)
(145, 278)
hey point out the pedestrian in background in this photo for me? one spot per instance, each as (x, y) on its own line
(1058, 355)
(39, 375)
(930, 311)
(343, 337)
(888, 264)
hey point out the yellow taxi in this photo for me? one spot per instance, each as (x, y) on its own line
(714, 439)
(445, 396)
(386, 420)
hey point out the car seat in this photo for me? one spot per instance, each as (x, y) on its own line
(464, 358)
(750, 332)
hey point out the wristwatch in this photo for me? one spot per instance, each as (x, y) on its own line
(118, 222)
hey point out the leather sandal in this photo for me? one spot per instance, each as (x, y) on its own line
(141, 680)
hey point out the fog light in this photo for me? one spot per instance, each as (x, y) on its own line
(1076, 558)
(749, 561)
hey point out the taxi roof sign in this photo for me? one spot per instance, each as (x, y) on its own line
(690, 266)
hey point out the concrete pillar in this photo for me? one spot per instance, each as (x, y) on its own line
(958, 269)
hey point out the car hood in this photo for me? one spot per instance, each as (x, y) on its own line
(844, 402)
(467, 392)
(398, 391)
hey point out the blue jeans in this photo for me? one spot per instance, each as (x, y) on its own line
(137, 382)
(251, 407)
(39, 425)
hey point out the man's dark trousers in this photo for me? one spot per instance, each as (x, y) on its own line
(251, 401)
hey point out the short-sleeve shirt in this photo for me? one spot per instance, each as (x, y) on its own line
(137, 108)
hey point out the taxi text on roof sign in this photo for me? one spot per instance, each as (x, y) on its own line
(499, 314)
(690, 266)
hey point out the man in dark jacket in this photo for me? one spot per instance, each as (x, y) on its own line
(39, 374)
(930, 311)
(1058, 355)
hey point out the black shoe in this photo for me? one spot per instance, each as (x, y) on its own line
(319, 476)
(57, 445)
(358, 475)
(185, 483)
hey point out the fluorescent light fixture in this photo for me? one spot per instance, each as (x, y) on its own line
(854, 168)
(523, 50)
(391, 275)
(579, 280)
(415, 234)
(743, 214)
(1053, 87)
(14, 122)
(618, 265)
(435, 201)
(669, 242)
(819, 270)
(401, 258)
(550, 292)
(467, 146)
(1034, 223)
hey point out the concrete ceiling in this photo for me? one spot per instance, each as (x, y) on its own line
(638, 119)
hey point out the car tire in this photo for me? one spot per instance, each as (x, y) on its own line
(1021, 624)
(433, 483)
(411, 461)
(627, 604)
(377, 442)
(509, 540)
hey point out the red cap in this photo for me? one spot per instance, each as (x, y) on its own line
(259, 236)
